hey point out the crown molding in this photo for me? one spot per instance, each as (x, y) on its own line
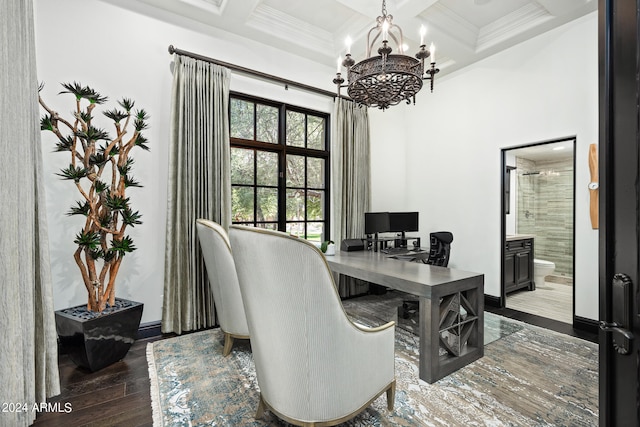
(453, 25)
(211, 6)
(516, 22)
(273, 22)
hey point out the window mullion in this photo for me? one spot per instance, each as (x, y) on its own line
(282, 173)
(255, 188)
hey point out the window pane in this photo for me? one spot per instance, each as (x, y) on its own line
(315, 132)
(268, 225)
(242, 204)
(241, 166)
(267, 168)
(295, 171)
(295, 205)
(315, 231)
(315, 174)
(315, 205)
(260, 197)
(296, 228)
(267, 123)
(267, 209)
(241, 122)
(295, 129)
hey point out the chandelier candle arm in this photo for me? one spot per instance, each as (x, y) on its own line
(423, 53)
(432, 72)
(338, 81)
(348, 61)
(386, 79)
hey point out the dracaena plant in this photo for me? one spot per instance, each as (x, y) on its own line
(101, 169)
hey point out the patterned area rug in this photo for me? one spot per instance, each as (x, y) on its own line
(529, 376)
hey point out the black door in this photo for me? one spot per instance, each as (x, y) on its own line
(619, 212)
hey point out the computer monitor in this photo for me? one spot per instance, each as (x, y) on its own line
(400, 222)
(376, 222)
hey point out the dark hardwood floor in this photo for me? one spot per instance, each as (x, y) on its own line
(117, 395)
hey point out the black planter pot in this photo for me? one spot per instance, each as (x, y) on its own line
(96, 340)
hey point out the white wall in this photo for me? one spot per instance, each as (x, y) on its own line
(542, 89)
(441, 156)
(389, 172)
(124, 53)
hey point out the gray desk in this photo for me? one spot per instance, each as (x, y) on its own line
(451, 306)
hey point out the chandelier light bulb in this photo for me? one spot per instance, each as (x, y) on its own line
(348, 42)
(432, 48)
(423, 32)
(385, 30)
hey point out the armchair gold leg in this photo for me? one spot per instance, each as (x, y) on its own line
(228, 343)
(391, 395)
(260, 411)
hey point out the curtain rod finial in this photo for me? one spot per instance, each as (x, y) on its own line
(171, 49)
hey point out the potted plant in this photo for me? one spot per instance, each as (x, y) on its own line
(328, 247)
(100, 167)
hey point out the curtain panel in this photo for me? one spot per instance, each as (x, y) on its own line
(28, 346)
(351, 165)
(199, 187)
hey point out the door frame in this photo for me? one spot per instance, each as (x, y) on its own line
(503, 220)
(619, 239)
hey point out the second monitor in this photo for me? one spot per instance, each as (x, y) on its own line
(401, 222)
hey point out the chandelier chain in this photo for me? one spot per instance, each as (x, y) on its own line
(384, 7)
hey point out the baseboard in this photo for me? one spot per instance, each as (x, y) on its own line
(586, 325)
(150, 330)
(492, 301)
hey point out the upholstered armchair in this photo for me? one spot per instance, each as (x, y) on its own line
(221, 270)
(314, 366)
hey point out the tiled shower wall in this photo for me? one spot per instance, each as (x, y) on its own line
(545, 209)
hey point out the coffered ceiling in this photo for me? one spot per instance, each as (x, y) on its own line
(463, 31)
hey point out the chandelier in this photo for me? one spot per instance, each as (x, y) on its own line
(386, 79)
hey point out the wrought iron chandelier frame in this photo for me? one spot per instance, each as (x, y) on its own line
(386, 79)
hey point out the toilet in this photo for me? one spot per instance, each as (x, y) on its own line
(542, 268)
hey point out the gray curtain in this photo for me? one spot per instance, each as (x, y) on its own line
(28, 347)
(351, 175)
(199, 187)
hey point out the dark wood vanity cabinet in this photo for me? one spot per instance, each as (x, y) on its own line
(518, 265)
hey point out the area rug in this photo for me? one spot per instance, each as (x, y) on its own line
(529, 376)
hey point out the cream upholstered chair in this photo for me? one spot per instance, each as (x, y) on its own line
(221, 270)
(314, 366)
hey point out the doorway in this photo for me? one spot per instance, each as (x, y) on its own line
(538, 200)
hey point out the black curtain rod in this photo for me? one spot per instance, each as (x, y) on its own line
(255, 73)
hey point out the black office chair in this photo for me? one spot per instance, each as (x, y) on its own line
(440, 248)
(439, 251)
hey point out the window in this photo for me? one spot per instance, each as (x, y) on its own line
(279, 167)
